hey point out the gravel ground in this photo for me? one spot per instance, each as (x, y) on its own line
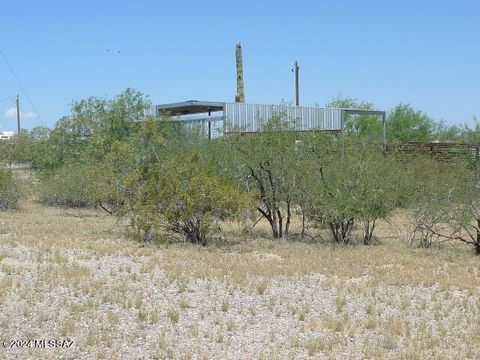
(114, 299)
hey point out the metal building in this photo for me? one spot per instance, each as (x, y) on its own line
(216, 119)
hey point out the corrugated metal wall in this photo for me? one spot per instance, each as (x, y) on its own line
(244, 117)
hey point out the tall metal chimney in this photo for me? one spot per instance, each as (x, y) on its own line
(240, 96)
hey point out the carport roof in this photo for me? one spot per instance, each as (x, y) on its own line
(190, 107)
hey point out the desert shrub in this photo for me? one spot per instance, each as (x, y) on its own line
(17, 150)
(9, 192)
(147, 148)
(430, 186)
(266, 163)
(88, 134)
(447, 204)
(350, 183)
(80, 160)
(107, 188)
(180, 197)
(67, 186)
(332, 181)
(162, 187)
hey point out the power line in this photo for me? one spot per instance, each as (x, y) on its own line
(21, 85)
(7, 93)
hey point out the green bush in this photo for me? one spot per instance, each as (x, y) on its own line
(267, 164)
(9, 192)
(447, 204)
(67, 186)
(181, 197)
(351, 183)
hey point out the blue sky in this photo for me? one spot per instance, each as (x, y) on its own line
(425, 53)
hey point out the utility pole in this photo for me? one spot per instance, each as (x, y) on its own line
(240, 96)
(297, 93)
(18, 114)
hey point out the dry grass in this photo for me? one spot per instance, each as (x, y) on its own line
(71, 273)
(390, 263)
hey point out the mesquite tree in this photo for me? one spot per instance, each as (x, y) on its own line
(267, 162)
(164, 188)
(350, 182)
(181, 196)
(447, 205)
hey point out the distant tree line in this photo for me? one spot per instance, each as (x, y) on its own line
(404, 124)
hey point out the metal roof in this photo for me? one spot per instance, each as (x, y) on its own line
(363, 112)
(190, 107)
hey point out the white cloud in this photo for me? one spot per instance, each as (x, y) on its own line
(12, 114)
